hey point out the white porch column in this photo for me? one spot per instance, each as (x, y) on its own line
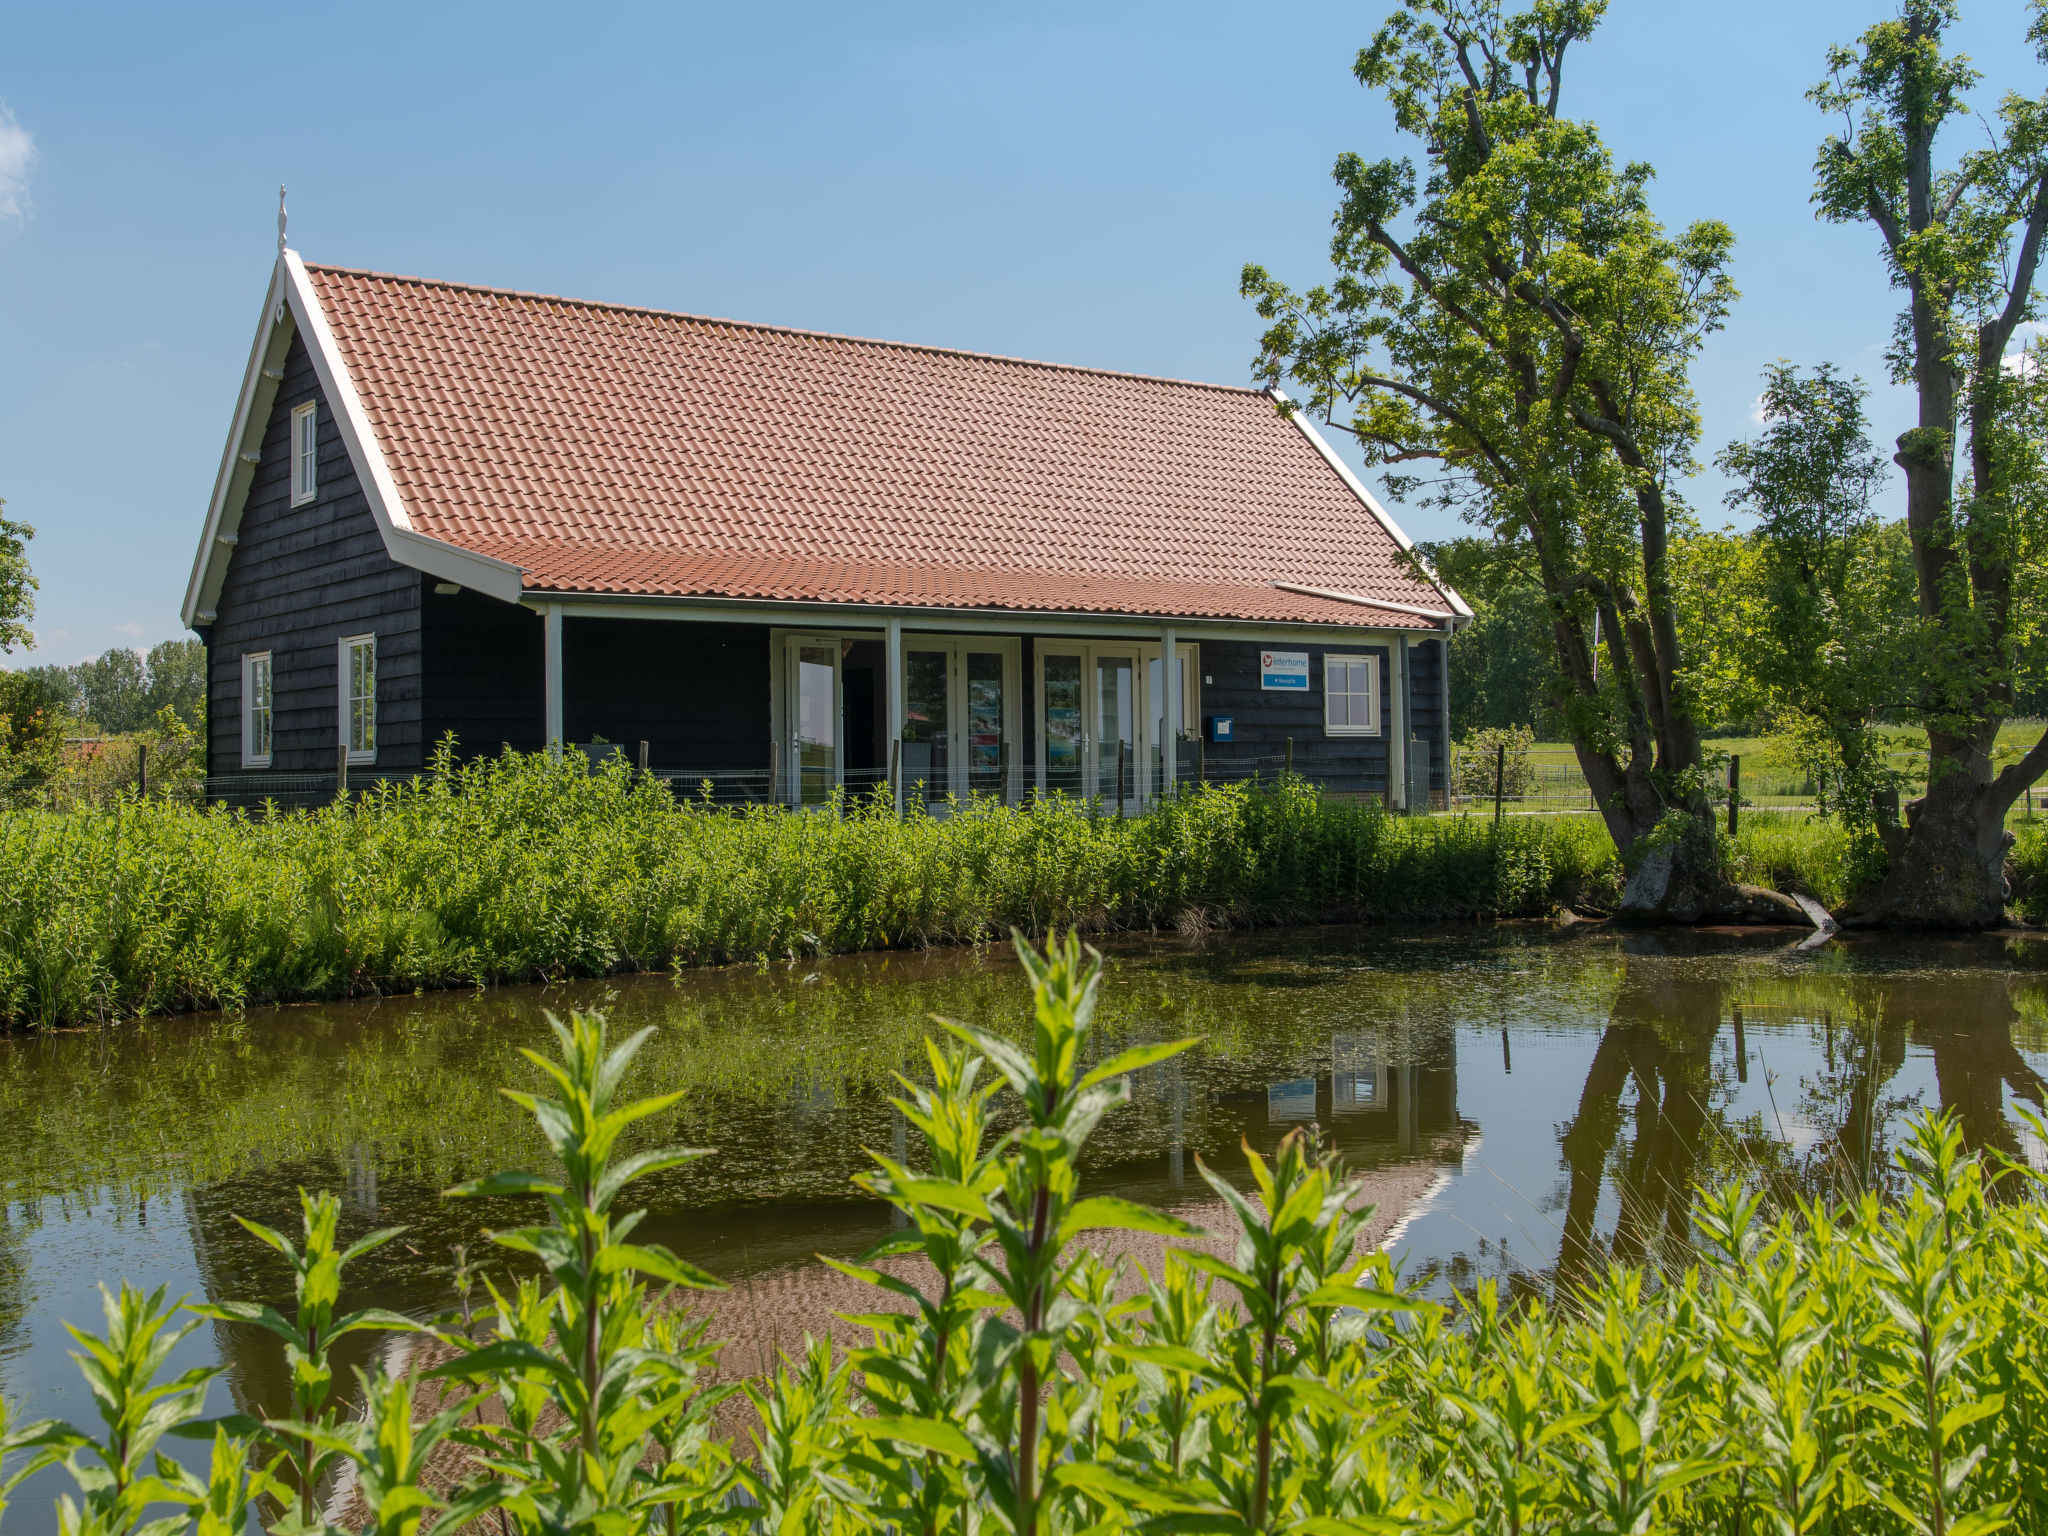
(551, 617)
(1169, 717)
(1397, 727)
(893, 646)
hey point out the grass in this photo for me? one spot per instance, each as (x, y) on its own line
(517, 869)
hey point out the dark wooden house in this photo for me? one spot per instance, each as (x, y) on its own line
(786, 561)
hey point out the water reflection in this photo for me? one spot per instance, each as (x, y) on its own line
(1528, 1104)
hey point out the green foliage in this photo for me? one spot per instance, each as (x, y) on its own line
(1496, 760)
(518, 868)
(17, 585)
(1874, 1367)
(1515, 313)
(124, 691)
(31, 737)
(1504, 663)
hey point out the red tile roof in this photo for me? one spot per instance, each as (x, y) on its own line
(612, 450)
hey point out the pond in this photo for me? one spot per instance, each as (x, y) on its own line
(1523, 1103)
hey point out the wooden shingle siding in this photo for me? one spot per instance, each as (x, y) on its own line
(1426, 710)
(1264, 720)
(298, 580)
(697, 694)
(485, 668)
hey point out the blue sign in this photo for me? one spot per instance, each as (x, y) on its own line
(1285, 671)
(1222, 728)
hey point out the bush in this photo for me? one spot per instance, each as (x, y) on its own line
(1480, 760)
(518, 868)
(1875, 1368)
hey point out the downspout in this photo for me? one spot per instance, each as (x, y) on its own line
(1397, 733)
(893, 661)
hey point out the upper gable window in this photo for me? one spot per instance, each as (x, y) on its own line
(305, 452)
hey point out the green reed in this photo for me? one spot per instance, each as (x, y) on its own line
(1877, 1367)
(518, 868)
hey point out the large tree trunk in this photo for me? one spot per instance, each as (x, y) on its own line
(1947, 864)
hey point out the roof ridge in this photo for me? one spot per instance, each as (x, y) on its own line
(783, 330)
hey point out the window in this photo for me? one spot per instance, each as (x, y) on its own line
(1351, 695)
(256, 710)
(305, 451)
(359, 697)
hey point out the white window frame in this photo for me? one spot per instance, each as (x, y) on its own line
(1372, 694)
(305, 453)
(252, 662)
(343, 683)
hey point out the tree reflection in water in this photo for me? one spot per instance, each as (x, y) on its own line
(1832, 1140)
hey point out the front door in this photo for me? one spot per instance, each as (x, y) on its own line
(1103, 723)
(957, 723)
(1089, 731)
(814, 689)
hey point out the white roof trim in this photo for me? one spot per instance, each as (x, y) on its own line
(1366, 602)
(291, 306)
(1330, 457)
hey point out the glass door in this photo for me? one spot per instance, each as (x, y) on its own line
(1187, 757)
(1115, 717)
(814, 685)
(1063, 736)
(957, 728)
(985, 730)
(927, 724)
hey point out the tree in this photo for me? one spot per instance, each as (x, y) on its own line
(112, 690)
(1520, 319)
(17, 585)
(1503, 668)
(174, 678)
(1962, 240)
(1833, 630)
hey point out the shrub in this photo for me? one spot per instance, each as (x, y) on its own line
(1875, 1368)
(519, 868)
(1496, 751)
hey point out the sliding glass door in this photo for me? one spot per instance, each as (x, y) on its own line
(957, 718)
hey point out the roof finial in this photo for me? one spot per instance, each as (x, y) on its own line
(280, 218)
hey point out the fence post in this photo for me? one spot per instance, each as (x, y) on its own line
(142, 769)
(643, 761)
(896, 767)
(1500, 781)
(1201, 760)
(774, 769)
(340, 772)
(1734, 789)
(1290, 757)
(1119, 776)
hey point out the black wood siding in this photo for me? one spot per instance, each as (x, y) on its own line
(485, 668)
(696, 693)
(1265, 720)
(1426, 710)
(299, 579)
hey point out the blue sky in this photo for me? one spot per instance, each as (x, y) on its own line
(1080, 183)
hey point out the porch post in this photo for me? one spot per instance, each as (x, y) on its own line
(893, 646)
(1397, 728)
(1169, 717)
(552, 619)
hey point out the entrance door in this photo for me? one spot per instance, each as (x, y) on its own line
(814, 687)
(1104, 720)
(957, 722)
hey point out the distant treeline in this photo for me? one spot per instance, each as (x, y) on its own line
(124, 690)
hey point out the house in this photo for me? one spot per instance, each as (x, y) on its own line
(786, 561)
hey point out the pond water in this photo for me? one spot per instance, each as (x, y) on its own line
(1525, 1102)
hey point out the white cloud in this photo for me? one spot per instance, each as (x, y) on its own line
(1756, 411)
(17, 152)
(133, 631)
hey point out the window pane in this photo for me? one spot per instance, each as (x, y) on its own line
(816, 722)
(985, 722)
(362, 696)
(926, 720)
(1063, 724)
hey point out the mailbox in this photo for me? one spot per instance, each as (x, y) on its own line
(1219, 728)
